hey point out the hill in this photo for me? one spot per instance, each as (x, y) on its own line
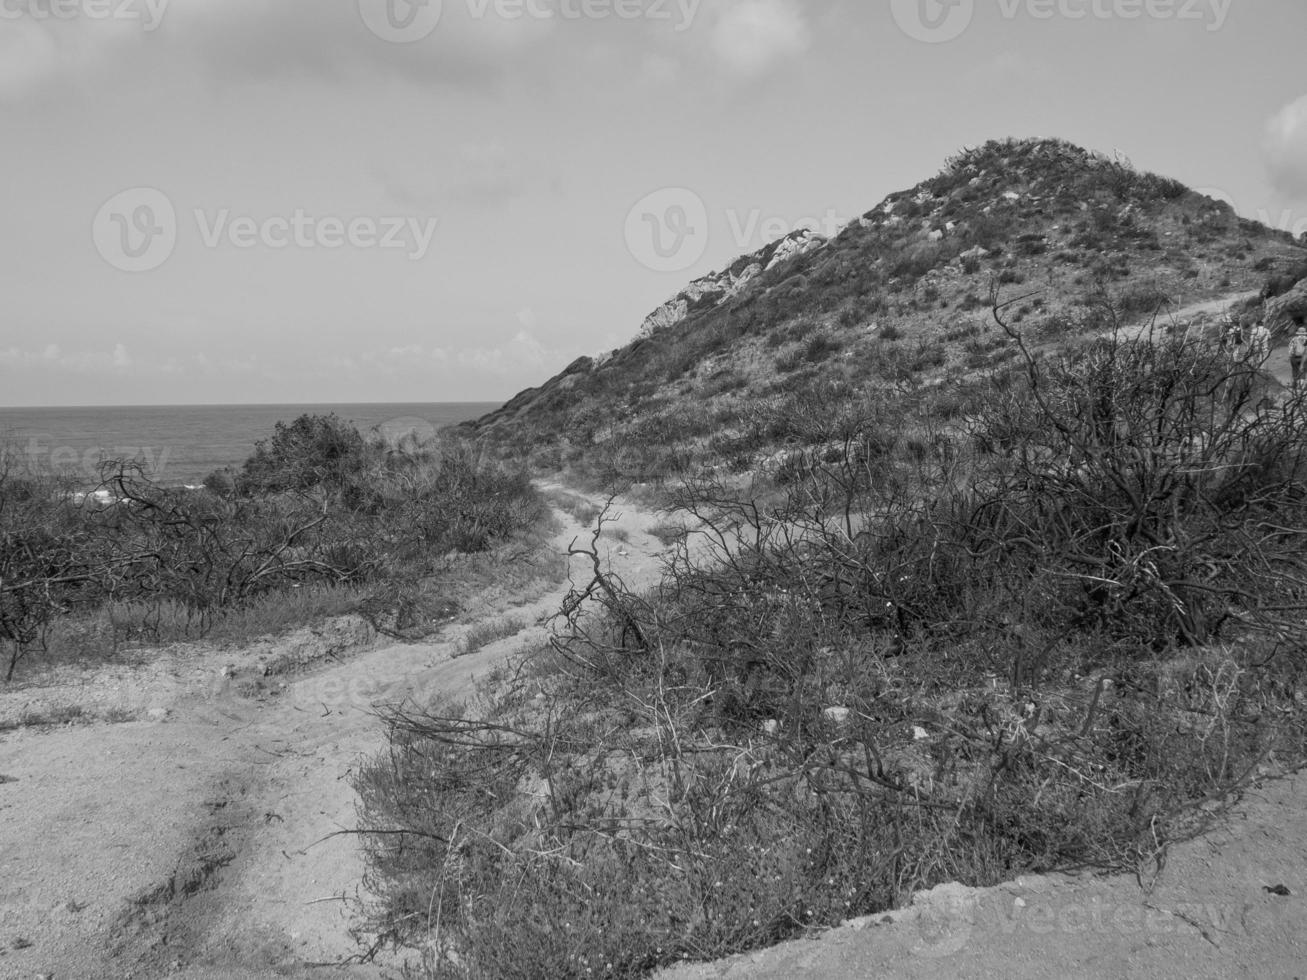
(900, 299)
(1026, 599)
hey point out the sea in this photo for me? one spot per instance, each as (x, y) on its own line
(181, 445)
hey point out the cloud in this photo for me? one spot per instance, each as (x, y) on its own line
(750, 36)
(480, 175)
(524, 354)
(487, 174)
(521, 356)
(40, 51)
(53, 358)
(251, 40)
(256, 38)
(1286, 149)
(659, 69)
(474, 45)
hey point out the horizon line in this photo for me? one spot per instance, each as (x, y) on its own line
(297, 404)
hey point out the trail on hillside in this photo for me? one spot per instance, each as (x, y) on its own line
(1277, 365)
(211, 840)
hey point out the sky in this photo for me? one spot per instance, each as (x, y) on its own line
(333, 201)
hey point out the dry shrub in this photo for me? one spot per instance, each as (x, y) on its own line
(909, 664)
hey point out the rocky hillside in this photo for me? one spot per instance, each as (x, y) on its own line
(717, 287)
(902, 298)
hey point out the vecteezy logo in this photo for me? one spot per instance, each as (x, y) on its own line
(667, 231)
(943, 932)
(401, 21)
(933, 21)
(136, 231)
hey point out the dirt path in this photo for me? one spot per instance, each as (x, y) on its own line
(1277, 365)
(198, 844)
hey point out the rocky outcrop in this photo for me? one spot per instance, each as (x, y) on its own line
(800, 242)
(1282, 311)
(717, 287)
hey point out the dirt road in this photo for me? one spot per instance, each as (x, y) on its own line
(197, 842)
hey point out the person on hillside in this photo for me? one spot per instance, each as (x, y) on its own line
(1297, 351)
(1239, 381)
(1260, 343)
(1232, 339)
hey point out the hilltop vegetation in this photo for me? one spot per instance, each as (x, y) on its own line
(900, 299)
(1024, 590)
(1044, 647)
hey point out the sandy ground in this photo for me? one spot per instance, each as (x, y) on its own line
(1215, 910)
(198, 843)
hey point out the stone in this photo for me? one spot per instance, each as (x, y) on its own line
(717, 287)
(1283, 310)
(837, 716)
(801, 242)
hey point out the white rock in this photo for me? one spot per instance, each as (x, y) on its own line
(669, 314)
(837, 716)
(718, 286)
(771, 726)
(157, 714)
(800, 243)
(919, 733)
